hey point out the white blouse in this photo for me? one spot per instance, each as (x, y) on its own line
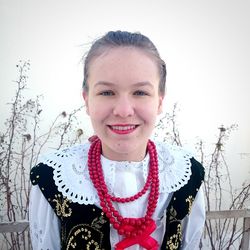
(123, 179)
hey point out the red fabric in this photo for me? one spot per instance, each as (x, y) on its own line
(145, 240)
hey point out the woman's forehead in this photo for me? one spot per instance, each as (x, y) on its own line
(131, 65)
(121, 53)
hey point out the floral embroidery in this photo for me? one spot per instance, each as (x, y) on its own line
(62, 207)
(175, 239)
(190, 201)
(92, 242)
(87, 233)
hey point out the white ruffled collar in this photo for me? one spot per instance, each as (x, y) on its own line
(72, 178)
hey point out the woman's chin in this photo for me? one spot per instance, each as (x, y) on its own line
(124, 151)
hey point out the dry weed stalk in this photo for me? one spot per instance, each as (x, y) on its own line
(218, 189)
(220, 194)
(21, 143)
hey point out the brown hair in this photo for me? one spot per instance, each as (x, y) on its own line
(114, 39)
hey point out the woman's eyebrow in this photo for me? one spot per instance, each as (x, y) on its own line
(144, 83)
(104, 83)
(137, 84)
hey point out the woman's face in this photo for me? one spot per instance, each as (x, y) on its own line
(123, 101)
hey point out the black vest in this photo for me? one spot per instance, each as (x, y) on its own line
(87, 227)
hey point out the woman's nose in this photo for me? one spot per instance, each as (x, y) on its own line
(123, 107)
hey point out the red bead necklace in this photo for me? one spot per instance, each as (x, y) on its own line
(134, 230)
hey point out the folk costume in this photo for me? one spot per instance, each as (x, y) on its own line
(82, 200)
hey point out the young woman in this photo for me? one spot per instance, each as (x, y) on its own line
(120, 190)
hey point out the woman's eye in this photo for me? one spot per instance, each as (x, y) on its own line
(140, 93)
(106, 93)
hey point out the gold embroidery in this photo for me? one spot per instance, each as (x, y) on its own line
(92, 242)
(62, 207)
(190, 201)
(174, 240)
(84, 231)
(73, 245)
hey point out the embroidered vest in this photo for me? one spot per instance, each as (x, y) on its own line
(87, 227)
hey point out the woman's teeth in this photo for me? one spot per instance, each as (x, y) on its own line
(123, 127)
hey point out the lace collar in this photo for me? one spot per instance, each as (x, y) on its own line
(72, 178)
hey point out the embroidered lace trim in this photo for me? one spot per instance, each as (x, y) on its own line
(72, 178)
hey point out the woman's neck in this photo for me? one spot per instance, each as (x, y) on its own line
(135, 156)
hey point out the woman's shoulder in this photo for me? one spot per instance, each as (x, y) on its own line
(62, 155)
(67, 168)
(177, 165)
(57, 158)
(171, 152)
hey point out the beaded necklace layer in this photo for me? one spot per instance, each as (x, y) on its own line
(133, 230)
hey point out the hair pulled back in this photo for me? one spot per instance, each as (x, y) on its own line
(115, 39)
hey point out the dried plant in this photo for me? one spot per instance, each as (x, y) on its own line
(21, 143)
(167, 128)
(219, 192)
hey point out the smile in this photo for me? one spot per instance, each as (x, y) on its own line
(122, 129)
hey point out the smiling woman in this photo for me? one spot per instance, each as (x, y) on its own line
(126, 98)
(120, 190)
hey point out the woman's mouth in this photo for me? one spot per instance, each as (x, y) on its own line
(123, 129)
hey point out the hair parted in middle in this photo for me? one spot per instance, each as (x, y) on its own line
(115, 39)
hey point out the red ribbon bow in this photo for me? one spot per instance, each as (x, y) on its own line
(145, 240)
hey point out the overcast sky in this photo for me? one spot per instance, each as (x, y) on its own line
(204, 43)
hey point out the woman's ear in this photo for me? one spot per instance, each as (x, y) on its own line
(160, 106)
(85, 97)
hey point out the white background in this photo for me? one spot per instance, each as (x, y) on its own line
(206, 45)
